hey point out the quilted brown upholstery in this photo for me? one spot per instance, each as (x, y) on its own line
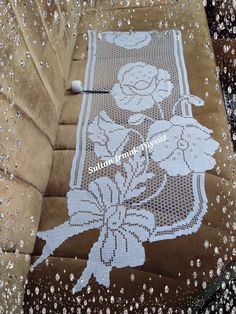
(171, 275)
(37, 42)
(168, 263)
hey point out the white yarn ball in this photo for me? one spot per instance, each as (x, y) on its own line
(76, 86)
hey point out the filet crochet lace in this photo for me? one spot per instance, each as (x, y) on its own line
(138, 173)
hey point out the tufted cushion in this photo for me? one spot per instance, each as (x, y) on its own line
(172, 267)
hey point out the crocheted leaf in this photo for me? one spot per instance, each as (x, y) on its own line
(136, 174)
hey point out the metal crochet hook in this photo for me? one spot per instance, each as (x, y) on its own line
(96, 91)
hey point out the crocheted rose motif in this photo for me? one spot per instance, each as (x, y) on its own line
(188, 147)
(109, 138)
(141, 86)
(122, 230)
(134, 40)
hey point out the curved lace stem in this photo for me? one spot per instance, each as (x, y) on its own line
(160, 189)
(177, 102)
(161, 111)
(150, 119)
(146, 148)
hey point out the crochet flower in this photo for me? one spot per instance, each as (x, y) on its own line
(141, 86)
(122, 230)
(134, 40)
(109, 138)
(188, 146)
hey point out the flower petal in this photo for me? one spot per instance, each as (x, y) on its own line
(165, 148)
(134, 73)
(117, 142)
(124, 101)
(163, 75)
(128, 40)
(126, 68)
(109, 138)
(127, 90)
(157, 127)
(108, 125)
(131, 103)
(93, 128)
(192, 132)
(110, 37)
(188, 122)
(102, 151)
(175, 164)
(200, 140)
(133, 40)
(162, 91)
(198, 161)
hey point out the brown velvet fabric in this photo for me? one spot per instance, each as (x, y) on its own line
(20, 208)
(26, 149)
(71, 109)
(37, 42)
(14, 268)
(170, 263)
(21, 83)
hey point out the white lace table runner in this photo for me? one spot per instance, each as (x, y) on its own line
(138, 173)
